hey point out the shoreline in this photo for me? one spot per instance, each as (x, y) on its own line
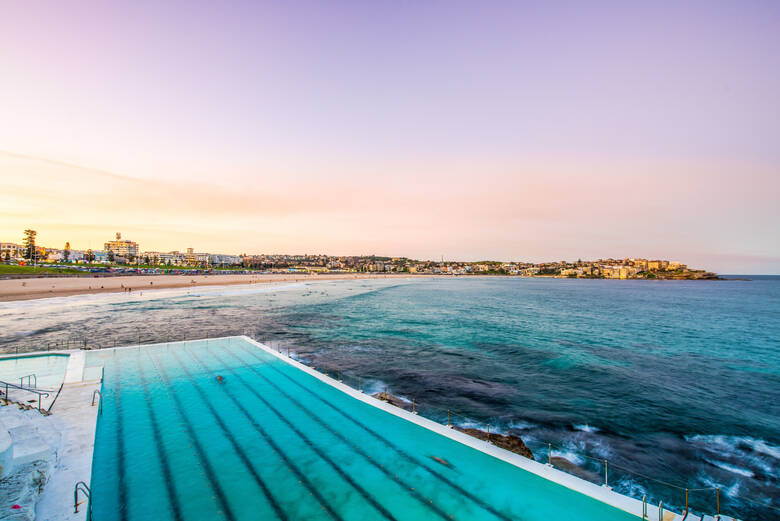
(48, 287)
(31, 288)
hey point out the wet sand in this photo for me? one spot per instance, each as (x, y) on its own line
(25, 289)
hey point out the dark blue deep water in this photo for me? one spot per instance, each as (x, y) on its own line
(675, 383)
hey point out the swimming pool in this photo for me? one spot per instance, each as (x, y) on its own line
(274, 442)
(48, 370)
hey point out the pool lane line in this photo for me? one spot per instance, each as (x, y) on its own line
(313, 491)
(120, 447)
(393, 477)
(381, 438)
(210, 474)
(198, 459)
(236, 447)
(173, 498)
(364, 493)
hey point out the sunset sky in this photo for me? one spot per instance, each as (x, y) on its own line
(472, 130)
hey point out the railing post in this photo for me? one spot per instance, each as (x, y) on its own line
(488, 433)
(717, 499)
(448, 417)
(360, 387)
(686, 504)
(644, 507)
(661, 511)
(413, 409)
(606, 473)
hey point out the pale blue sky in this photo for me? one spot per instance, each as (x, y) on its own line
(509, 130)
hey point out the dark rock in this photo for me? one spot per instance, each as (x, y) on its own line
(393, 400)
(509, 442)
(567, 466)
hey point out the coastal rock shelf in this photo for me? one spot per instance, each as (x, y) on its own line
(509, 442)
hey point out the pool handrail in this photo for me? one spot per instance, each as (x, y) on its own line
(39, 392)
(55, 397)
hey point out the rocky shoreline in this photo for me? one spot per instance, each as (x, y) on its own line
(509, 442)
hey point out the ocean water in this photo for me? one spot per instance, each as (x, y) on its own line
(675, 383)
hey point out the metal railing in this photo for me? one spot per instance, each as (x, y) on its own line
(39, 392)
(55, 397)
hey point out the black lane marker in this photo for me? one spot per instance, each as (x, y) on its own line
(384, 440)
(212, 476)
(173, 499)
(414, 493)
(120, 448)
(303, 479)
(236, 447)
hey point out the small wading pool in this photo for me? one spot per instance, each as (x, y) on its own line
(49, 370)
(274, 442)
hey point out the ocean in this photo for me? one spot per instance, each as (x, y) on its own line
(675, 383)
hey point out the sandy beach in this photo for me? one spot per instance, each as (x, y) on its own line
(33, 288)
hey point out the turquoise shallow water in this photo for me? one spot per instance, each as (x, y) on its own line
(48, 370)
(676, 380)
(271, 442)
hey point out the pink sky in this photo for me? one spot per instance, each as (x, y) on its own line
(510, 131)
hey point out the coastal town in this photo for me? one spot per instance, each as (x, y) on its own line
(125, 255)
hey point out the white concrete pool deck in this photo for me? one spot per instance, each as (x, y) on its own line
(75, 464)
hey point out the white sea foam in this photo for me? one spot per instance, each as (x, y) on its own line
(521, 425)
(733, 443)
(584, 427)
(731, 468)
(569, 455)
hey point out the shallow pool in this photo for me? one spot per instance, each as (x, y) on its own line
(273, 442)
(45, 371)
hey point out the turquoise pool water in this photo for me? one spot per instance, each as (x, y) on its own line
(49, 370)
(273, 442)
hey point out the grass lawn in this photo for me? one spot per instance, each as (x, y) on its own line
(7, 269)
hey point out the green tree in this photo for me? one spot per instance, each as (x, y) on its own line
(66, 252)
(29, 244)
(89, 256)
(110, 256)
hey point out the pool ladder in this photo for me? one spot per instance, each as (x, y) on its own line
(97, 392)
(32, 381)
(81, 486)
